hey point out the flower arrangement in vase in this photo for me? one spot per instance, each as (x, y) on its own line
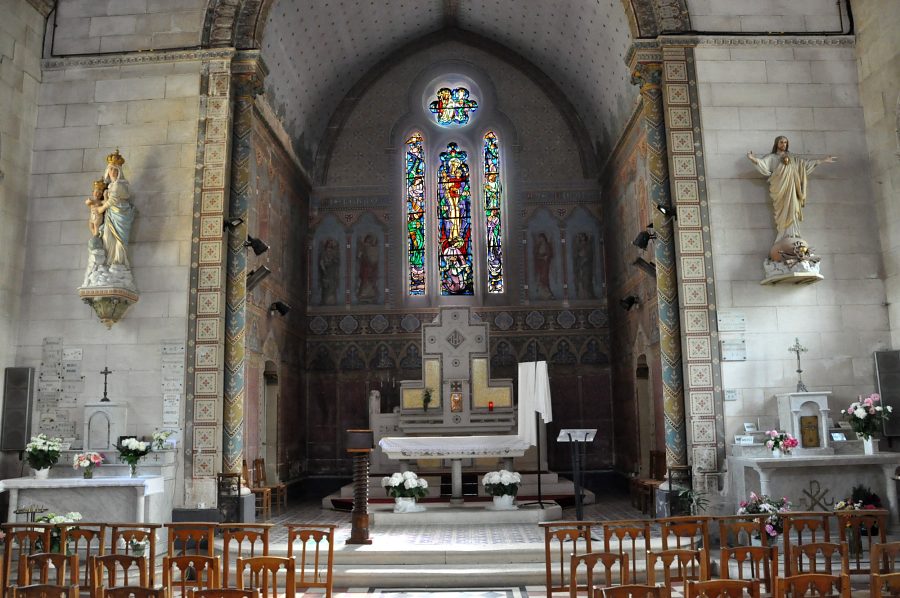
(87, 462)
(781, 443)
(405, 488)
(159, 439)
(867, 417)
(42, 453)
(131, 450)
(503, 485)
(763, 505)
(55, 531)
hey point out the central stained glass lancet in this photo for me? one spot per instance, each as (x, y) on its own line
(415, 212)
(492, 196)
(455, 223)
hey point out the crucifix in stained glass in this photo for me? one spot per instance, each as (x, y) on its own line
(492, 197)
(415, 212)
(455, 222)
(453, 106)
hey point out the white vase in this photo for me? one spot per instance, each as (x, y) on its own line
(407, 504)
(42, 474)
(776, 453)
(504, 502)
(870, 447)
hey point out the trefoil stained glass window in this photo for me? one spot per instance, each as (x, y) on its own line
(453, 106)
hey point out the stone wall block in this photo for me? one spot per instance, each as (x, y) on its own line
(783, 71)
(66, 92)
(117, 25)
(130, 89)
(126, 7)
(81, 8)
(789, 118)
(123, 43)
(66, 138)
(51, 116)
(54, 161)
(142, 134)
(179, 86)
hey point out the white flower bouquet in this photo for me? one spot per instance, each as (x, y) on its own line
(131, 450)
(406, 484)
(160, 437)
(500, 483)
(42, 452)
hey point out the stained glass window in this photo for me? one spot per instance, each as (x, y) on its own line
(453, 106)
(415, 212)
(455, 223)
(492, 196)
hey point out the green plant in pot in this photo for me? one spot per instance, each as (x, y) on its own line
(426, 398)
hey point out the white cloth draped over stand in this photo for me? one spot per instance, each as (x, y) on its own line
(534, 396)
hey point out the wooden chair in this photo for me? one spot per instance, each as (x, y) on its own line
(279, 490)
(316, 567)
(188, 572)
(225, 593)
(133, 592)
(802, 527)
(813, 584)
(562, 539)
(740, 530)
(635, 591)
(643, 489)
(820, 555)
(191, 538)
(263, 573)
(686, 533)
(241, 541)
(885, 559)
(610, 562)
(678, 566)
(44, 591)
(751, 562)
(631, 538)
(43, 563)
(862, 530)
(114, 570)
(263, 495)
(85, 540)
(21, 541)
(723, 588)
(123, 537)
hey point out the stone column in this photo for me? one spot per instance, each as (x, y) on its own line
(648, 74)
(248, 72)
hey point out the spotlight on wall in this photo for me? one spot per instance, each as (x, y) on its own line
(256, 276)
(232, 223)
(628, 302)
(279, 307)
(643, 239)
(257, 245)
(648, 267)
(667, 210)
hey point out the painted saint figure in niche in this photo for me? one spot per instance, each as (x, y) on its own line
(584, 266)
(367, 263)
(329, 270)
(543, 258)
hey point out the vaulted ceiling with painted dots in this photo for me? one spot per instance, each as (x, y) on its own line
(317, 51)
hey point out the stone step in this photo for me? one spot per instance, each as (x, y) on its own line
(549, 482)
(439, 575)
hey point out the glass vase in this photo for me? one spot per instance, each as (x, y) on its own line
(133, 467)
(88, 472)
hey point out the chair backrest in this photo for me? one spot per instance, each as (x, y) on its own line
(635, 591)
(740, 530)
(723, 588)
(611, 562)
(245, 475)
(862, 530)
(801, 528)
(259, 472)
(181, 573)
(127, 538)
(316, 561)
(38, 568)
(751, 562)
(884, 584)
(813, 584)
(886, 557)
(658, 465)
(264, 573)
(191, 538)
(630, 538)
(22, 540)
(820, 557)
(228, 484)
(85, 540)
(226, 593)
(41, 590)
(561, 540)
(691, 533)
(133, 592)
(112, 570)
(241, 541)
(678, 566)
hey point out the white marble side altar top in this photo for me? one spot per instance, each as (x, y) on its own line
(146, 485)
(453, 447)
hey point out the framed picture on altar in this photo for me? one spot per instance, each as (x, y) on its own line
(749, 427)
(743, 440)
(838, 436)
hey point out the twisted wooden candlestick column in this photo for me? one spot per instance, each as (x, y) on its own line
(359, 531)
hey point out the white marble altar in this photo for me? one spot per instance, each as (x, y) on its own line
(101, 499)
(455, 448)
(793, 406)
(816, 482)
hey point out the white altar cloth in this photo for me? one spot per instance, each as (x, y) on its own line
(101, 499)
(453, 447)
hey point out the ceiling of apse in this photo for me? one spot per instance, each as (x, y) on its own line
(316, 52)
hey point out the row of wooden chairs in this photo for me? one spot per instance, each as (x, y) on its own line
(263, 491)
(55, 591)
(312, 545)
(789, 587)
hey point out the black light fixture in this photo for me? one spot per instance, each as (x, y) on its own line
(648, 267)
(628, 302)
(258, 246)
(643, 239)
(256, 276)
(667, 210)
(279, 307)
(232, 223)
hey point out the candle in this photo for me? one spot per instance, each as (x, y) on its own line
(490, 405)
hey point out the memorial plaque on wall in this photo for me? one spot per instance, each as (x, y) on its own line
(887, 376)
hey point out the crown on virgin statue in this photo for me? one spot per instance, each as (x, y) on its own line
(115, 158)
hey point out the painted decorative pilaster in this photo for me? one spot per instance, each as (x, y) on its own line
(647, 72)
(249, 72)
